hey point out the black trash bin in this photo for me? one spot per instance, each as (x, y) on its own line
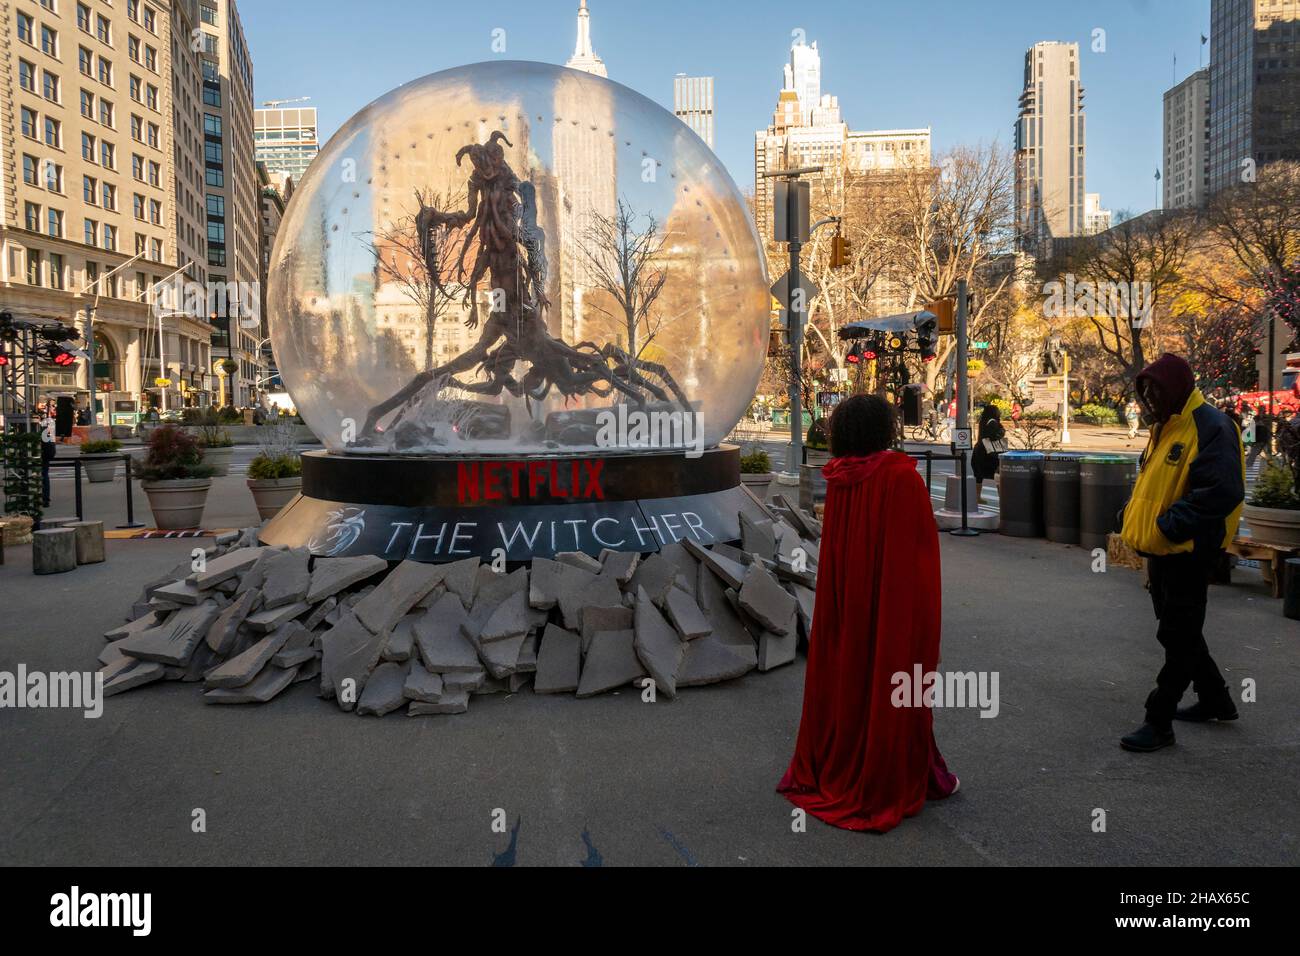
(1105, 483)
(1061, 497)
(1020, 494)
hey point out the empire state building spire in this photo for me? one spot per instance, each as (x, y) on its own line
(584, 58)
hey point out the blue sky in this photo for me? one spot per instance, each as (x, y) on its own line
(953, 65)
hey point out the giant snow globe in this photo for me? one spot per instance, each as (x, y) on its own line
(503, 258)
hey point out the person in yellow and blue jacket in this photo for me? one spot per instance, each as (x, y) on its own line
(1183, 512)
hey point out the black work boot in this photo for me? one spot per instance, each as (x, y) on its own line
(1148, 738)
(1203, 711)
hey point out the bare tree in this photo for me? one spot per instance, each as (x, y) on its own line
(416, 260)
(627, 264)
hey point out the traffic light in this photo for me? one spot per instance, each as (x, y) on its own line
(841, 252)
(928, 340)
(855, 354)
(896, 342)
(4, 360)
(63, 358)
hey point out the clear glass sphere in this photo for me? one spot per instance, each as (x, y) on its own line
(493, 259)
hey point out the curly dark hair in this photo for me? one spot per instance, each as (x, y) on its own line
(862, 425)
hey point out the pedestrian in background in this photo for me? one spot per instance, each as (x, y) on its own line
(862, 761)
(1263, 436)
(992, 443)
(1132, 414)
(49, 449)
(1183, 512)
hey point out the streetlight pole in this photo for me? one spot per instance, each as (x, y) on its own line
(1065, 399)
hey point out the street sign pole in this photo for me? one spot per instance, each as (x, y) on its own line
(963, 401)
(796, 350)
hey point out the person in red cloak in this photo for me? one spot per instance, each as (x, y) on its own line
(862, 763)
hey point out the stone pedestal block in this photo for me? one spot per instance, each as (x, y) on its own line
(54, 551)
(90, 541)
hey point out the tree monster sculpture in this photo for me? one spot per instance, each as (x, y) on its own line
(502, 217)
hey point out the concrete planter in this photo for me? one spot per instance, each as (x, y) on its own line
(1277, 526)
(177, 504)
(99, 468)
(272, 494)
(816, 457)
(219, 458)
(758, 484)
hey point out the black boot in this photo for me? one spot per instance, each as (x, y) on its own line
(1148, 738)
(1203, 711)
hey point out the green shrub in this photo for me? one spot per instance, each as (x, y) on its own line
(265, 467)
(1275, 488)
(1091, 414)
(107, 447)
(230, 416)
(1039, 415)
(755, 463)
(174, 454)
(818, 435)
(214, 436)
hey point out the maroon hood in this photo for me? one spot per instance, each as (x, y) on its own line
(1176, 380)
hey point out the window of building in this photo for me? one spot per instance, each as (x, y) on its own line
(149, 19)
(152, 129)
(50, 41)
(91, 235)
(155, 212)
(151, 97)
(217, 206)
(56, 271)
(110, 196)
(133, 48)
(33, 267)
(137, 167)
(53, 132)
(50, 87)
(211, 125)
(106, 112)
(208, 14)
(102, 29)
(105, 72)
(87, 147)
(155, 174)
(30, 175)
(107, 156)
(53, 177)
(27, 76)
(133, 9)
(137, 128)
(110, 237)
(29, 122)
(90, 189)
(85, 61)
(87, 104)
(25, 26)
(150, 58)
(135, 88)
(137, 203)
(156, 250)
(54, 222)
(214, 176)
(212, 153)
(83, 17)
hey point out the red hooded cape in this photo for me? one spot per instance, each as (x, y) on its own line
(861, 763)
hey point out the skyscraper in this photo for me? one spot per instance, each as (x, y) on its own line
(1050, 146)
(693, 104)
(233, 191)
(101, 191)
(808, 130)
(1254, 87)
(286, 139)
(1186, 173)
(584, 57)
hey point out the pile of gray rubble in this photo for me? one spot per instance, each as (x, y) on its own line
(247, 621)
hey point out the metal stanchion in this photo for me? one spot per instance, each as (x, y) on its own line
(76, 470)
(130, 500)
(965, 531)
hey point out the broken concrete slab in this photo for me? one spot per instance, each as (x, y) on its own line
(321, 612)
(203, 660)
(385, 690)
(654, 573)
(392, 598)
(142, 623)
(611, 663)
(222, 633)
(173, 641)
(775, 650)
(127, 673)
(711, 660)
(657, 645)
(111, 652)
(492, 686)
(518, 681)
(262, 688)
(806, 599)
(295, 657)
(442, 646)
(600, 592)
(421, 684)
(287, 578)
(595, 619)
(242, 668)
(502, 657)
(329, 576)
(179, 592)
(349, 652)
(758, 536)
(401, 640)
(731, 573)
(723, 550)
(581, 560)
(620, 565)
(763, 598)
(264, 621)
(559, 661)
(460, 578)
(685, 615)
(450, 703)
(455, 682)
(509, 620)
(686, 565)
(225, 567)
(527, 662)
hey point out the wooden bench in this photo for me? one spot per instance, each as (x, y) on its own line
(1271, 557)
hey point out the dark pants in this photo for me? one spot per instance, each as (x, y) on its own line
(1179, 589)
